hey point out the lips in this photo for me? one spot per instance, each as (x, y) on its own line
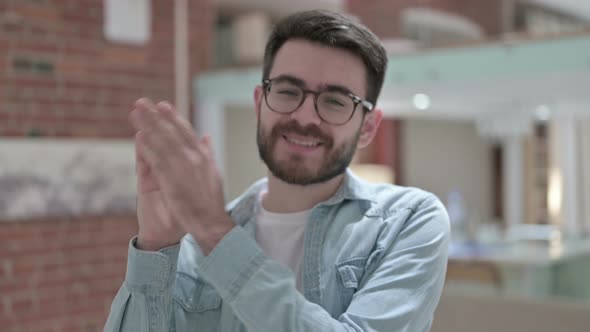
(302, 141)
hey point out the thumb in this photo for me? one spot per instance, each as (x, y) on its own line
(207, 147)
(141, 165)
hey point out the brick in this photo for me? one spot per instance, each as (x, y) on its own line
(37, 13)
(12, 30)
(24, 304)
(37, 46)
(7, 272)
(61, 275)
(74, 67)
(6, 308)
(123, 55)
(69, 280)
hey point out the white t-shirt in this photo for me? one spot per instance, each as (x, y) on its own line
(280, 235)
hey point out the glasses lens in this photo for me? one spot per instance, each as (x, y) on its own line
(283, 97)
(335, 107)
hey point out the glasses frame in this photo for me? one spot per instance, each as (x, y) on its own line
(367, 105)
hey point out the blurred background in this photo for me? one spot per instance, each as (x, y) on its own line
(486, 103)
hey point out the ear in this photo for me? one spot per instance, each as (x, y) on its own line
(258, 95)
(369, 127)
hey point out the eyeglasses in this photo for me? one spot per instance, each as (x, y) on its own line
(333, 107)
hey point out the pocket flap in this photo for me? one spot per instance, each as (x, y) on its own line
(350, 272)
(194, 295)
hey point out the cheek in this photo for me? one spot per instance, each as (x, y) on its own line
(269, 116)
(267, 122)
(266, 118)
(349, 131)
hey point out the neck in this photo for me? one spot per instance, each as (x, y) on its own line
(283, 197)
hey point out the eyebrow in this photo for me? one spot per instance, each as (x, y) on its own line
(301, 83)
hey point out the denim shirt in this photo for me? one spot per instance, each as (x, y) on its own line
(375, 258)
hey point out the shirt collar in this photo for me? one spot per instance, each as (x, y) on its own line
(352, 188)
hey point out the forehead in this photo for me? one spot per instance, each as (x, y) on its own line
(319, 65)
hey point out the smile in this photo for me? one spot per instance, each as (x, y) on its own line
(301, 142)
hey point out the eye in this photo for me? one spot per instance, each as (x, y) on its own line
(288, 92)
(334, 102)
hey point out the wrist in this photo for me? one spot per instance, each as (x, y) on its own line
(208, 236)
(146, 244)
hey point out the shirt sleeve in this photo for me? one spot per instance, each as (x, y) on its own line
(144, 301)
(399, 294)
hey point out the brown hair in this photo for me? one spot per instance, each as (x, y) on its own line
(334, 30)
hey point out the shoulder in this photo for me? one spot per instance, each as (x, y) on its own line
(410, 210)
(390, 198)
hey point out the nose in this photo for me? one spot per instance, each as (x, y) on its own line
(306, 113)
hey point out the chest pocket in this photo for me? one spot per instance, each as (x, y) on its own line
(194, 295)
(350, 272)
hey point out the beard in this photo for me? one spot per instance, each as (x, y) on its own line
(293, 170)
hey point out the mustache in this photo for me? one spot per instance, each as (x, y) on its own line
(295, 128)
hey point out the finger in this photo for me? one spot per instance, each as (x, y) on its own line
(157, 167)
(137, 153)
(141, 166)
(167, 108)
(145, 116)
(159, 133)
(209, 155)
(180, 134)
(143, 101)
(208, 151)
(152, 148)
(207, 147)
(183, 127)
(145, 181)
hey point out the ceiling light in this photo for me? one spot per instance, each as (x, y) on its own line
(421, 101)
(543, 113)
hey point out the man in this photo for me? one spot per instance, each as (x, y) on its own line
(310, 248)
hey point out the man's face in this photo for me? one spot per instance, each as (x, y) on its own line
(300, 148)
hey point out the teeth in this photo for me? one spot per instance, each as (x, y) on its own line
(303, 143)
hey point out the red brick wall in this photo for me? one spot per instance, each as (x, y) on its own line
(93, 82)
(59, 77)
(61, 275)
(383, 16)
